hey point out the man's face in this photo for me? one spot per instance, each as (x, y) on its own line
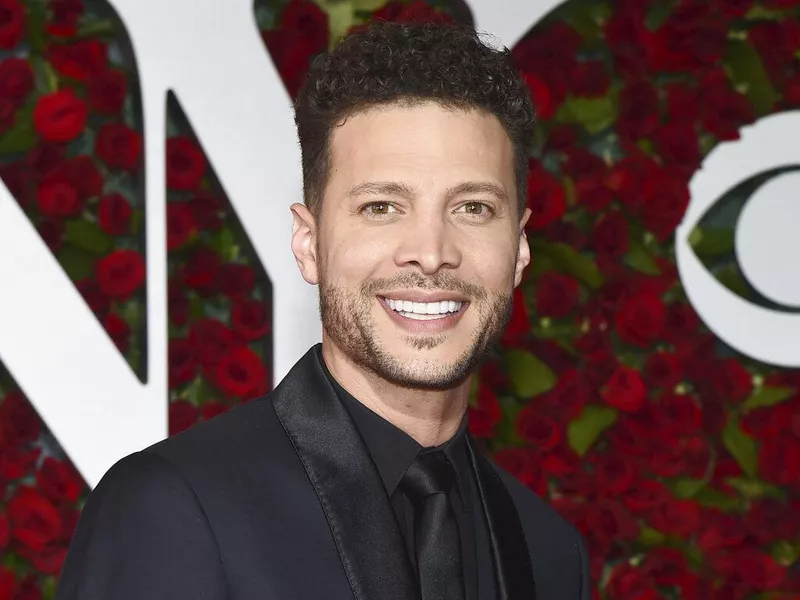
(418, 243)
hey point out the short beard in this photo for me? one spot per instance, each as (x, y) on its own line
(347, 319)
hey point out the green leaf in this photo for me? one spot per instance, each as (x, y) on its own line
(593, 114)
(747, 71)
(686, 488)
(35, 21)
(594, 420)
(741, 446)
(731, 277)
(768, 396)
(785, 552)
(708, 243)
(21, 136)
(568, 260)
(651, 537)
(368, 5)
(88, 236)
(529, 375)
(76, 262)
(640, 260)
(753, 488)
(586, 18)
(224, 244)
(712, 498)
(341, 17)
(658, 14)
(49, 588)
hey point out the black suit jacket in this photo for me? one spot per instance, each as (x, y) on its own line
(279, 499)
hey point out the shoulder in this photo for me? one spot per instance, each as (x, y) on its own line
(557, 549)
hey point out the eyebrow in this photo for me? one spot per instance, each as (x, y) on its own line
(394, 188)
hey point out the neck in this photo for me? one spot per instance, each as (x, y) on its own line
(430, 417)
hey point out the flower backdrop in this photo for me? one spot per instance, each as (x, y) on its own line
(677, 458)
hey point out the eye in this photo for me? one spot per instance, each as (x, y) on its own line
(475, 208)
(377, 209)
(736, 249)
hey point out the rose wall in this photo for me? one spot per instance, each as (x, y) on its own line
(676, 457)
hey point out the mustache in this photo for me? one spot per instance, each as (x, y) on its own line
(441, 281)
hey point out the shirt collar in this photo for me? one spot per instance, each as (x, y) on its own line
(392, 449)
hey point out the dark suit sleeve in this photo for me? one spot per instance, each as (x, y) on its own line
(142, 535)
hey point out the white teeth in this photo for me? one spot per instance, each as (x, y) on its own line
(406, 307)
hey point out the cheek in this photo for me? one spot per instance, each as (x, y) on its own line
(355, 257)
(493, 264)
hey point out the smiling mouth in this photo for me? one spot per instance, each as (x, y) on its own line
(425, 311)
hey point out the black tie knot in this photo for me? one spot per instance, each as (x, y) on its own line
(430, 473)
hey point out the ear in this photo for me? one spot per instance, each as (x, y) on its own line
(304, 242)
(524, 251)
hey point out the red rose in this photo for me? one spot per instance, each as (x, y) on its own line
(567, 399)
(59, 116)
(725, 111)
(83, 174)
(186, 164)
(627, 35)
(678, 145)
(121, 273)
(306, 19)
(588, 172)
(28, 589)
(681, 322)
(522, 463)
(629, 177)
(16, 80)
(769, 421)
(779, 460)
(180, 224)
(485, 414)
(241, 373)
(543, 102)
(615, 473)
(645, 496)
(692, 38)
(106, 93)
(211, 340)
(776, 42)
(93, 296)
(610, 235)
(207, 212)
(58, 198)
(213, 408)
(182, 415)
(556, 294)
(114, 214)
(182, 363)
(200, 271)
(118, 330)
(8, 583)
(34, 520)
(59, 480)
(50, 560)
(664, 200)
(546, 198)
(119, 146)
(770, 520)
(731, 380)
(677, 517)
(641, 319)
(750, 568)
(735, 8)
(249, 318)
(12, 23)
(556, 46)
(678, 415)
(610, 521)
(663, 370)
(65, 15)
(519, 327)
(52, 232)
(291, 54)
(666, 566)
(625, 390)
(638, 110)
(236, 280)
(629, 582)
(540, 431)
(719, 531)
(589, 78)
(683, 103)
(80, 60)
(16, 463)
(5, 535)
(21, 422)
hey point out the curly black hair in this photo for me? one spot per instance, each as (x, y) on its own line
(387, 63)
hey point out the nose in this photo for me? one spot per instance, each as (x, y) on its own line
(429, 243)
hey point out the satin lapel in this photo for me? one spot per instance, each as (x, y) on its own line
(346, 482)
(510, 556)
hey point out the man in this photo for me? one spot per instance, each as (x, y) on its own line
(356, 477)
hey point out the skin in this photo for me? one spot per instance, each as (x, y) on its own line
(420, 205)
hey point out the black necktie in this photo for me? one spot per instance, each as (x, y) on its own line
(426, 483)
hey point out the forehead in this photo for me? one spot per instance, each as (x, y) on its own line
(421, 140)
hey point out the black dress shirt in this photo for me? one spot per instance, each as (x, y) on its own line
(393, 451)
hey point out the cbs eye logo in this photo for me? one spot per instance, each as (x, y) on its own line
(764, 164)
